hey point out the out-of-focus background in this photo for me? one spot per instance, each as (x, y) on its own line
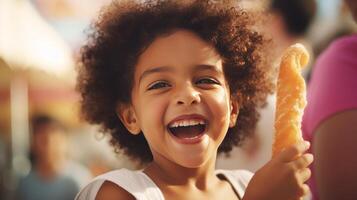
(39, 43)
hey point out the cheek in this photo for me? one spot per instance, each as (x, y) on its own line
(220, 112)
(219, 103)
(41, 145)
(152, 112)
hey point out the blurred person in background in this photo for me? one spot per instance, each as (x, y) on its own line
(330, 119)
(290, 22)
(50, 176)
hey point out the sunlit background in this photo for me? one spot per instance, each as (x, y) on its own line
(39, 43)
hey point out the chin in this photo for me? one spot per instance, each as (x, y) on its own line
(192, 164)
(192, 161)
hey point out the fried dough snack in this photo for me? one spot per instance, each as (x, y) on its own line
(291, 98)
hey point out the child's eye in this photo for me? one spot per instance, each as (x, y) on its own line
(207, 81)
(158, 85)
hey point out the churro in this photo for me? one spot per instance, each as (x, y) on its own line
(291, 98)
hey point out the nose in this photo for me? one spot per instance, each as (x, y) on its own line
(187, 95)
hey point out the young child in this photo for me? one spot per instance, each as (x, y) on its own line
(174, 83)
(48, 178)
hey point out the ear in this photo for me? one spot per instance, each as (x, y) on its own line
(234, 113)
(127, 116)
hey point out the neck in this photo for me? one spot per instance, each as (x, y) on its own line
(47, 170)
(166, 172)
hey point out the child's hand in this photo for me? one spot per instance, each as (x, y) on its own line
(284, 177)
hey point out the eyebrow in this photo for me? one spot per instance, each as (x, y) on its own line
(206, 67)
(155, 70)
(200, 67)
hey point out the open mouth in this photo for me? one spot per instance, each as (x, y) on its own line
(187, 129)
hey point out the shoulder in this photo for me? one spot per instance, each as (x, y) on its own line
(24, 183)
(347, 43)
(119, 184)
(106, 186)
(341, 50)
(337, 65)
(110, 190)
(28, 180)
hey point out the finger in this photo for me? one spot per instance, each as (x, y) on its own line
(304, 190)
(305, 174)
(303, 161)
(292, 152)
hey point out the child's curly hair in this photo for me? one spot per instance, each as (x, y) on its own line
(125, 29)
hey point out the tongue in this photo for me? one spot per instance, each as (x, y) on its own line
(187, 131)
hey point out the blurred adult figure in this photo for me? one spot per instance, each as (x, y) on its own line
(290, 22)
(330, 119)
(47, 179)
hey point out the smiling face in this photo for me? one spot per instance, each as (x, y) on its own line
(50, 145)
(180, 100)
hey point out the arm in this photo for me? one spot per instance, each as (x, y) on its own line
(336, 160)
(111, 191)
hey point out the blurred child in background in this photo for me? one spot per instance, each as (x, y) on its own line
(49, 177)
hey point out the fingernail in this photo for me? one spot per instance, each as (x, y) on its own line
(307, 143)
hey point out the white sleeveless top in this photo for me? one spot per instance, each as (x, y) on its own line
(142, 187)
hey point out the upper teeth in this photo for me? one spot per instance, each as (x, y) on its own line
(190, 122)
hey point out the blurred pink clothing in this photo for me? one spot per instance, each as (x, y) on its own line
(332, 89)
